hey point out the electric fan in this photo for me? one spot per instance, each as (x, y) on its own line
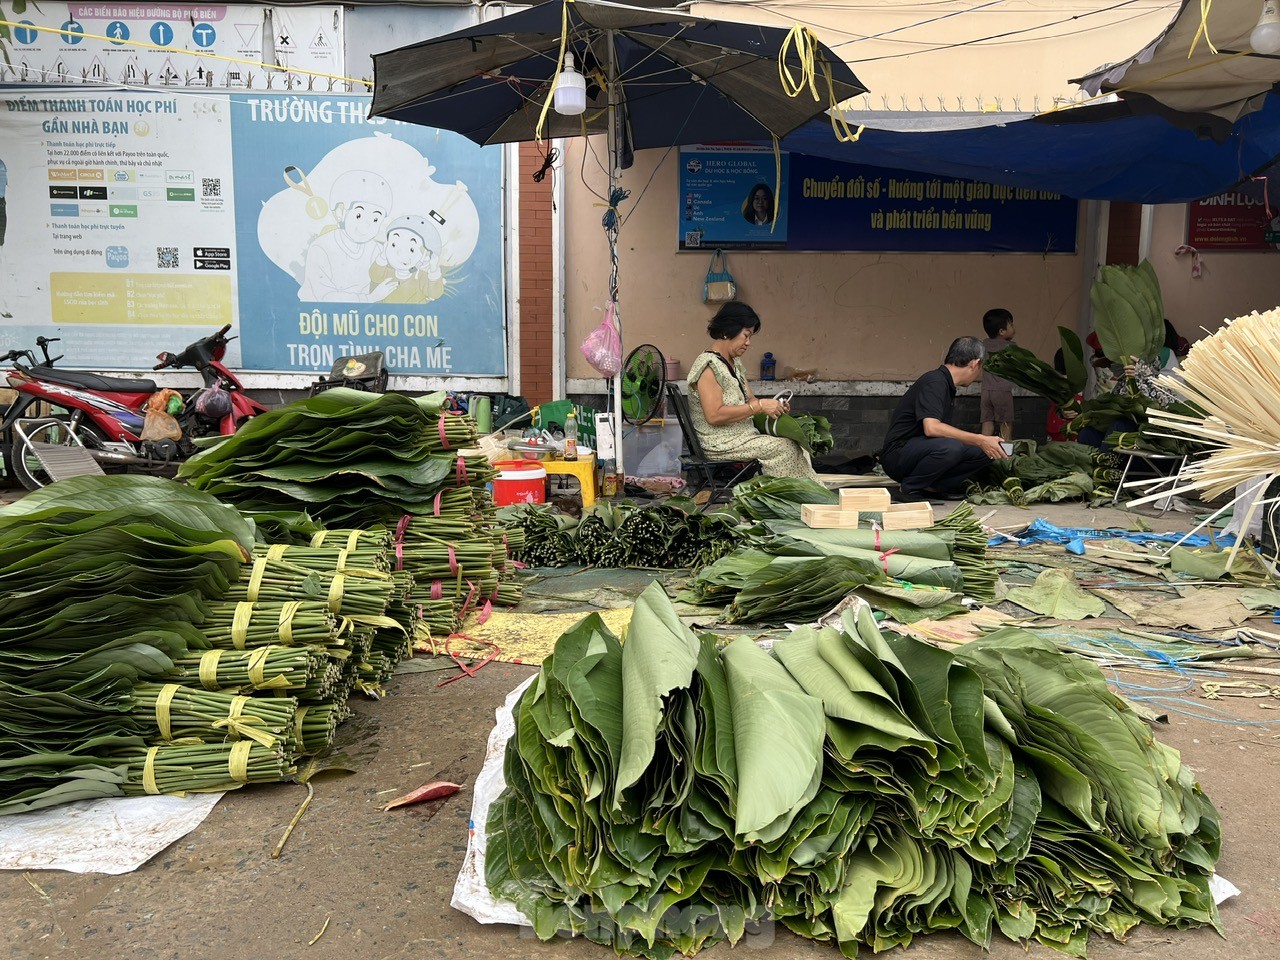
(644, 378)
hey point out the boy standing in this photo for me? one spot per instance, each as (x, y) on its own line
(997, 393)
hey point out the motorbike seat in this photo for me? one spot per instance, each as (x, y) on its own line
(92, 381)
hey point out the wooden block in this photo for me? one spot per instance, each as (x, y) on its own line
(867, 500)
(820, 517)
(907, 516)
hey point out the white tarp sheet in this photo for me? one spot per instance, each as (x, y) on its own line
(115, 835)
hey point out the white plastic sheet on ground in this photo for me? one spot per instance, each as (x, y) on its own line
(115, 835)
(470, 893)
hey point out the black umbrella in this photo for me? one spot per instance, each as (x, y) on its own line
(655, 78)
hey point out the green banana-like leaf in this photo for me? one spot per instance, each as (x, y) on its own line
(1073, 359)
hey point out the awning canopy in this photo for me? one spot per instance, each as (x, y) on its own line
(1227, 84)
(1102, 152)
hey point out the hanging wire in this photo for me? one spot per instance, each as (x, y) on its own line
(612, 223)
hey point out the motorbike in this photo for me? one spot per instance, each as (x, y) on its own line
(108, 415)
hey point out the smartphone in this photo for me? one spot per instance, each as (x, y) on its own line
(1007, 447)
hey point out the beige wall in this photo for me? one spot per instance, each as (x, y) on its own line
(850, 316)
(1231, 284)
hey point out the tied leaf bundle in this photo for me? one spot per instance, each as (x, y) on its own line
(811, 431)
(1128, 312)
(172, 712)
(1023, 368)
(779, 498)
(858, 787)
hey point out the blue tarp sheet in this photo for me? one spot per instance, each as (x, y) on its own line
(1099, 152)
(1073, 538)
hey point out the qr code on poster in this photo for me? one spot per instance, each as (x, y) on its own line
(211, 186)
(167, 258)
(693, 238)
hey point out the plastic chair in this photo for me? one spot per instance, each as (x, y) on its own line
(707, 473)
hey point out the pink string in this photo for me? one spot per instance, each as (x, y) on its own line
(437, 590)
(439, 494)
(462, 472)
(1197, 267)
(884, 557)
(453, 561)
(484, 613)
(401, 527)
(444, 440)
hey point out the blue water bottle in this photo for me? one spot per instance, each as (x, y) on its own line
(767, 366)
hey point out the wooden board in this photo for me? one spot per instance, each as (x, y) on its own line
(869, 500)
(833, 481)
(820, 517)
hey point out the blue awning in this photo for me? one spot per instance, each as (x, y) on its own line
(1101, 152)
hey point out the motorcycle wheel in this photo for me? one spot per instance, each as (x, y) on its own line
(27, 468)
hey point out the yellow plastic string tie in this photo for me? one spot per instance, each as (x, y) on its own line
(353, 539)
(149, 772)
(257, 666)
(284, 633)
(555, 77)
(240, 624)
(238, 761)
(839, 125)
(276, 551)
(209, 669)
(242, 727)
(237, 707)
(163, 701)
(319, 538)
(805, 44)
(335, 592)
(297, 721)
(255, 578)
(342, 558)
(1205, 7)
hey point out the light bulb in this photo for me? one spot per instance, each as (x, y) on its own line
(571, 90)
(1265, 37)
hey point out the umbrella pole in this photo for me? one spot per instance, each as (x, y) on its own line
(611, 117)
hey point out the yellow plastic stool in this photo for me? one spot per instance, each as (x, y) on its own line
(584, 469)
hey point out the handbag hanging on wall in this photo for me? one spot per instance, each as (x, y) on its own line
(719, 285)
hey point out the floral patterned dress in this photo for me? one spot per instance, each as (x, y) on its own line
(778, 456)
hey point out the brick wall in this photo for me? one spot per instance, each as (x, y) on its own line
(536, 267)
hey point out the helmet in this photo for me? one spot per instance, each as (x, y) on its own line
(423, 227)
(213, 403)
(359, 186)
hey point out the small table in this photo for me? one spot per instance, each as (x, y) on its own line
(583, 469)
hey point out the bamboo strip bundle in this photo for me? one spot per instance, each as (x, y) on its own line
(176, 712)
(243, 624)
(272, 668)
(201, 768)
(1234, 377)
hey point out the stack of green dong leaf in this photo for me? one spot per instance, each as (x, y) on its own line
(100, 582)
(357, 460)
(862, 788)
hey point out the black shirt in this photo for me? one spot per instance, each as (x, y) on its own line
(933, 395)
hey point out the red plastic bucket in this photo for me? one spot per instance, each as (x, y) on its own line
(519, 481)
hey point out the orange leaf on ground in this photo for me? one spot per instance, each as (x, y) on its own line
(428, 791)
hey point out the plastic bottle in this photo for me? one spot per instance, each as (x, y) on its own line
(767, 366)
(571, 437)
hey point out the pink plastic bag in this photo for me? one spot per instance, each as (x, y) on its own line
(603, 346)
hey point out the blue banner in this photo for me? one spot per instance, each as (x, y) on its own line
(828, 205)
(356, 235)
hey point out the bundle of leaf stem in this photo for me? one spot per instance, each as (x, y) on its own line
(200, 767)
(170, 712)
(330, 557)
(855, 786)
(315, 725)
(353, 593)
(271, 668)
(244, 624)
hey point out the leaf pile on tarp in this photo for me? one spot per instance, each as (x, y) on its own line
(779, 498)
(673, 534)
(100, 581)
(857, 787)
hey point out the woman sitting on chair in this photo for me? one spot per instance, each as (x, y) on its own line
(722, 404)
